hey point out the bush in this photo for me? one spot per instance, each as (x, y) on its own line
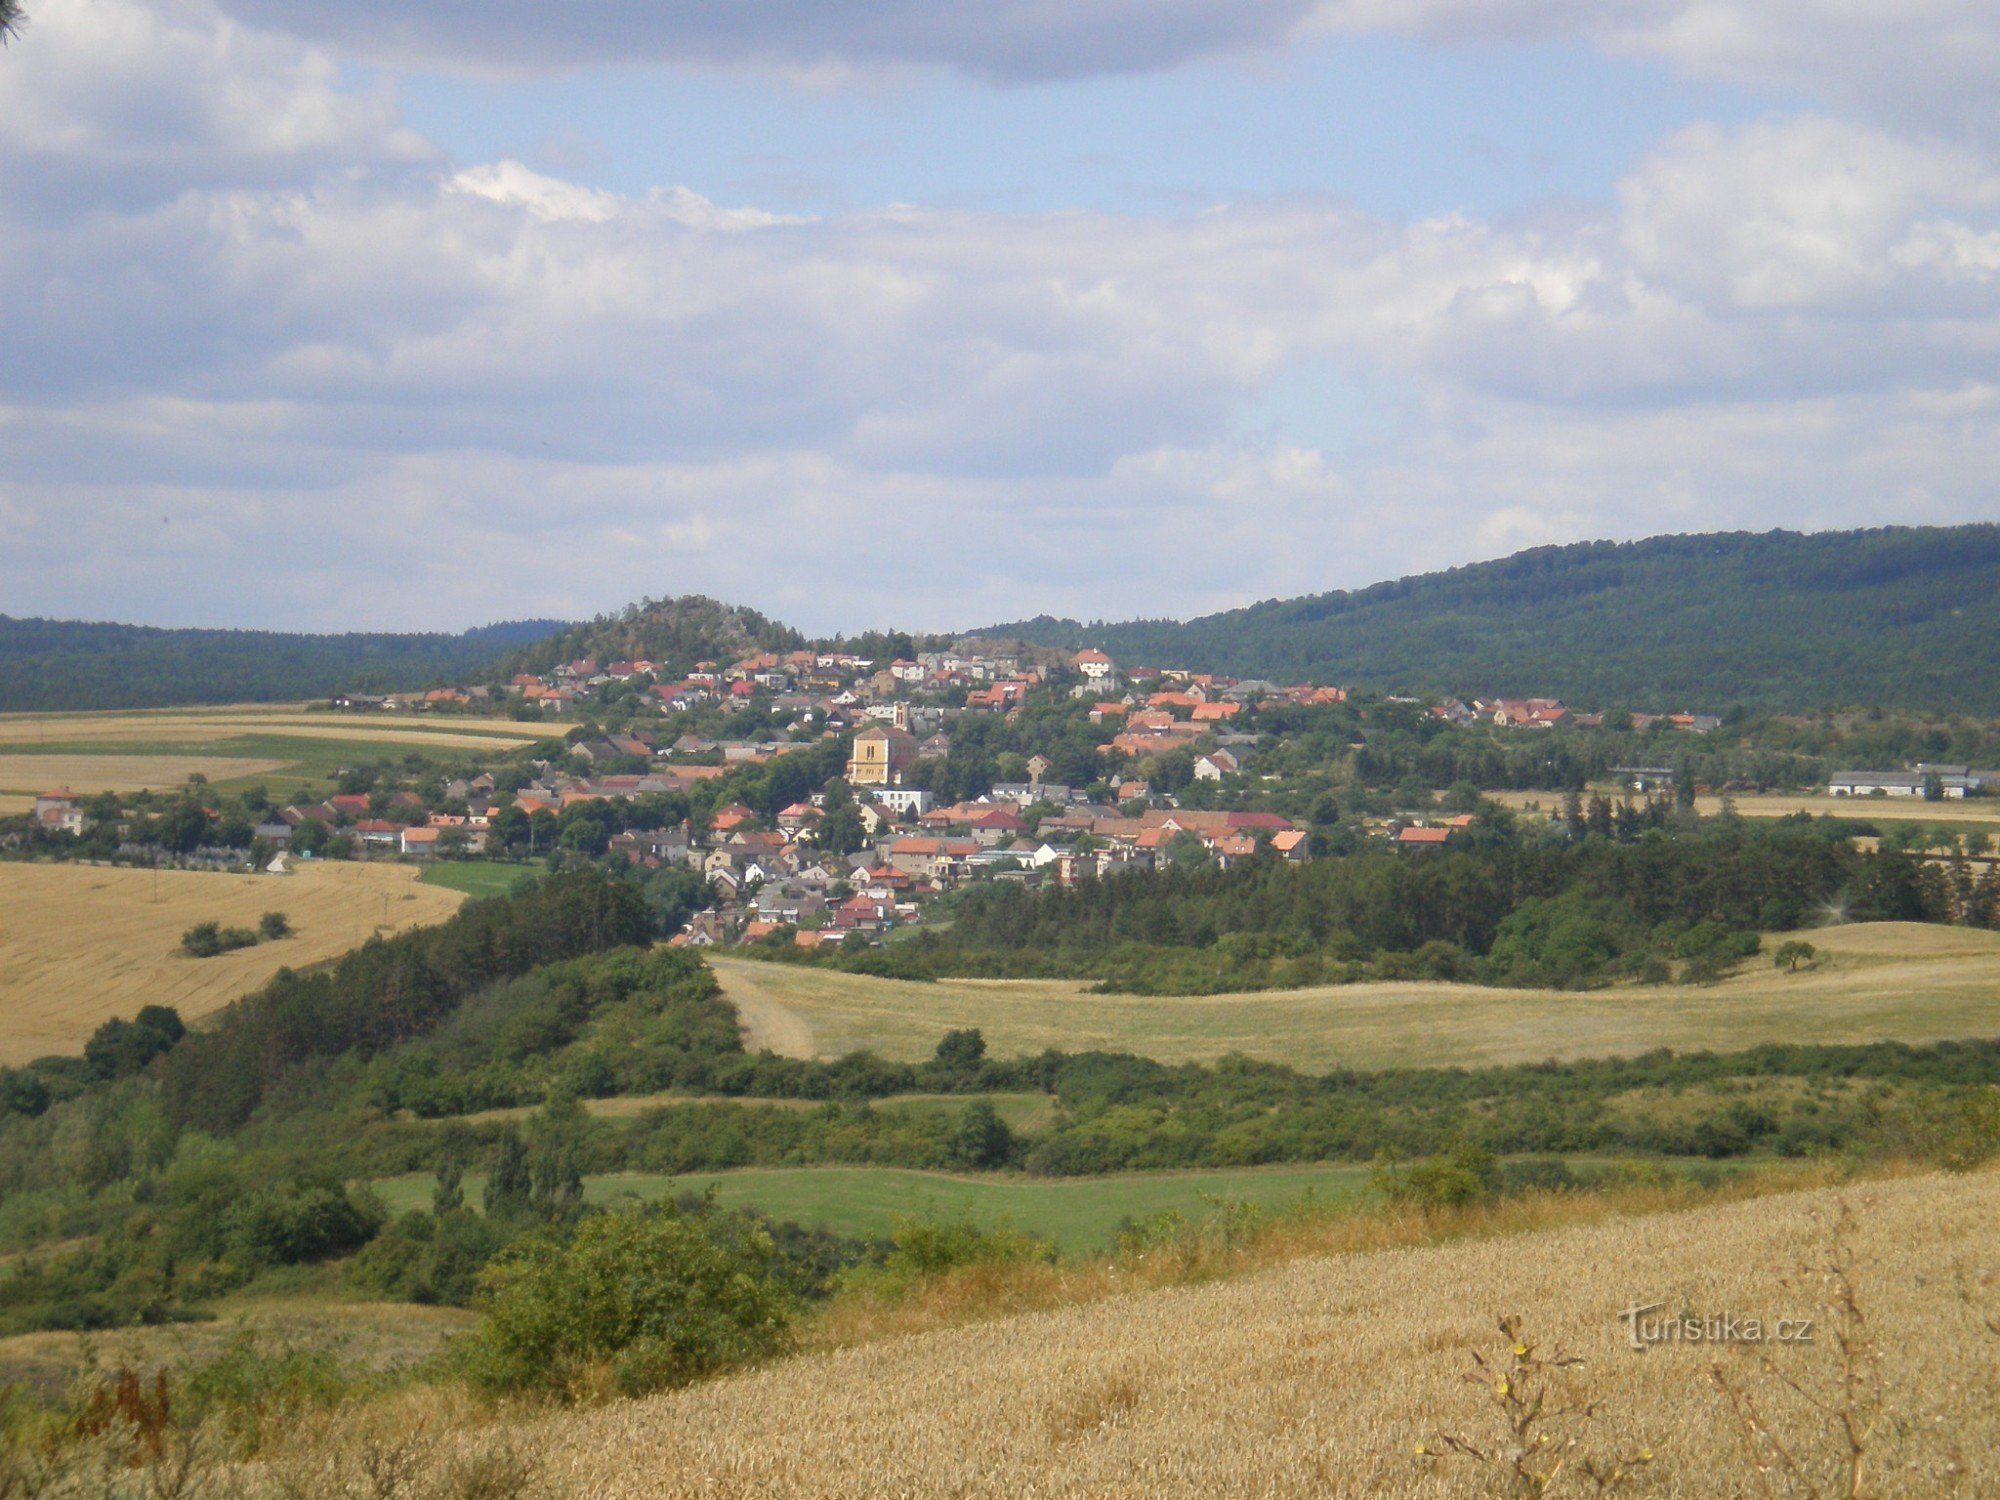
(301, 1221)
(274, 925)
(653, 1298)
(209, 939)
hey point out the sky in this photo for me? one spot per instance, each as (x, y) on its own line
(381, 316)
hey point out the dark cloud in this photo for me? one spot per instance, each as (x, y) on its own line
(1012, 40)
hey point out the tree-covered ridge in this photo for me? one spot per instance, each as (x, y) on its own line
(1895, 617)
(671, 632)
(56, 665)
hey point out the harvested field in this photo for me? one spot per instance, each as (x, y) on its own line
(30, 774)
(1784, 804)
(80, 944)
(177, 725)
(1323, 1377)
(1888, 981)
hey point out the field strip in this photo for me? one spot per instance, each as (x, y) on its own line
(1780, 805)
(1876, 982)
(112, 729)
(1323, 1377)
(32, 774)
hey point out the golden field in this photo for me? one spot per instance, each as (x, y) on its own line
(233, 748)
(1876, 981)
(1324, 1376)
(80, 944)
(291, 719)
(28, 775)
(1784, 804)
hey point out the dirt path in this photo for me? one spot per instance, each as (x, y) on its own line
(767, 1023)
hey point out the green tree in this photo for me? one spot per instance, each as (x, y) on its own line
(511, 1183)
(982, 1138)
(1794, 953)
(659, 1297)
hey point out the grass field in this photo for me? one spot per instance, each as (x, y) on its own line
(1324, 1377)
(1891, 981)
(478, 877)
(80, 944)
(1077, 1214)
(373, 1335)
(282, 746)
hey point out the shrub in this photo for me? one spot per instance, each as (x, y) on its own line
(274, 925)
(301, 1221)
(209, 939)
(653, 1298)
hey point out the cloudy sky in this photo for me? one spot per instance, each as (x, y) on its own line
(864, 312)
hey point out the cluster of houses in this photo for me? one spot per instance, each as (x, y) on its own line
(1549, 713)
(766, 879)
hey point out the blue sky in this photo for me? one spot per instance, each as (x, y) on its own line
(1396, 126)
(879, 312)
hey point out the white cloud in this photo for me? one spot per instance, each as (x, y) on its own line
(301, 372)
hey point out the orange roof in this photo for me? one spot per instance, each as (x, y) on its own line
(1423, 836)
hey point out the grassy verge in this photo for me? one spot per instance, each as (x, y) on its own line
(480, 877)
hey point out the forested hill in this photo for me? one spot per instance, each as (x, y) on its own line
(65, 664)
(672, 632)
(1898, 617)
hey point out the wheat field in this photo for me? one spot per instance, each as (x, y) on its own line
(1876, 981)
(80, 944)
(30, 774)
(1325, 1376)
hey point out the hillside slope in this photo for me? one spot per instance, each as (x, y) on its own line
(672, 632)
(1321, 1378)
(57, 665)
(1900, 617)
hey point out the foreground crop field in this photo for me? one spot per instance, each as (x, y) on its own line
(1323, 1377)
(82, 943)
(234, 748)
(1878, 981)
(1076, 1214)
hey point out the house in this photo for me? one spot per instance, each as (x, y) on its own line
(1094, 665)
(907, 801)
(730, 818)
(59, 811)
(1293, 845)
(1214, 713)
(882, 753)
(1423, 838)
(380, 833)
(1215, 765)
(420, 843)
(798, 817)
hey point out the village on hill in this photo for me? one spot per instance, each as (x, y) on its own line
(1146, 768)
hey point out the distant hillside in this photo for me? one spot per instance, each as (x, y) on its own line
(1900, 617)
(65, 664)
(672, 632)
